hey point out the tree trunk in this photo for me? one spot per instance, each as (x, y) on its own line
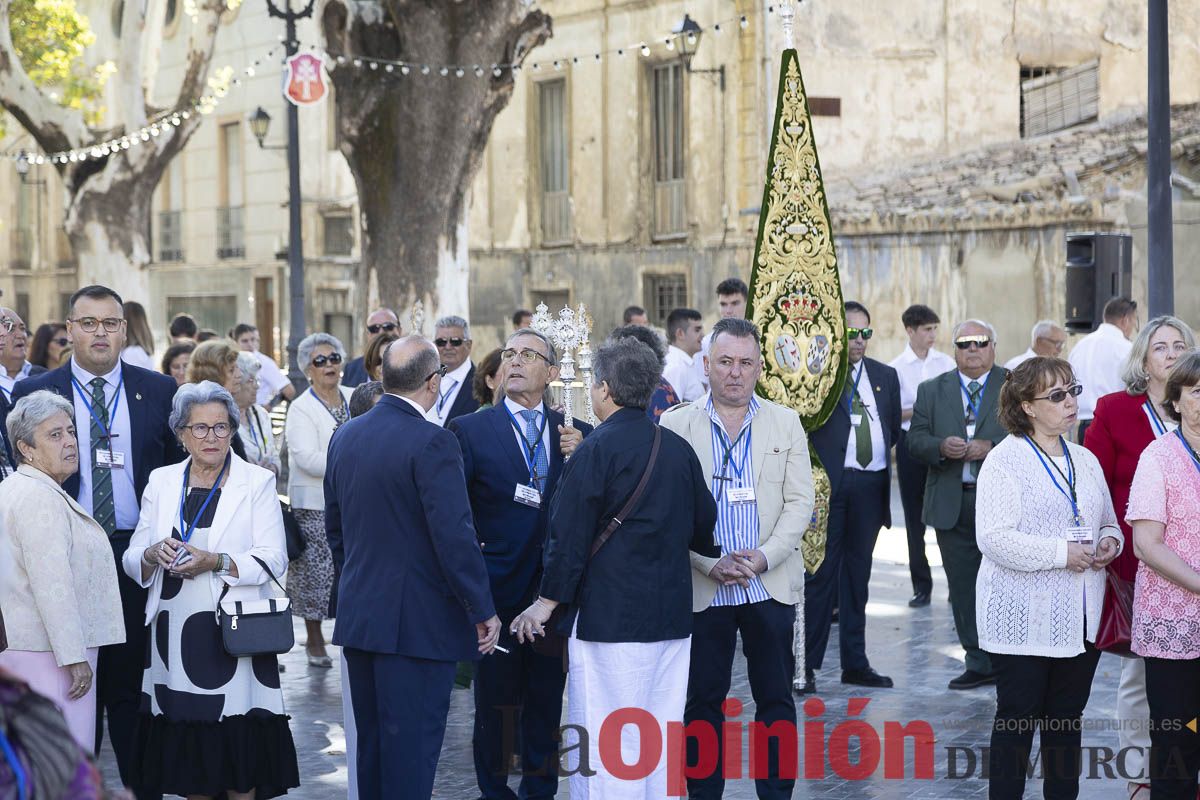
(415, 141)
(107, 225)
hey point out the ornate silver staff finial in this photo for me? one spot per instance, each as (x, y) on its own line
(585, 363)
(565, 333)
(787, 16)
(417, 318)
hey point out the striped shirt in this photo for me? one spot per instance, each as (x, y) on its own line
(737, 523)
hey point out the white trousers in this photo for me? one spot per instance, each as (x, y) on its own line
(1133, 717)
(608, 676)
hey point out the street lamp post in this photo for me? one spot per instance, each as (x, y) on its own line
(1160, 250)
(296, 315)
(22, 165)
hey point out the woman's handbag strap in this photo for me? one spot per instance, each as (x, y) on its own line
(633, 498)
(266, 569)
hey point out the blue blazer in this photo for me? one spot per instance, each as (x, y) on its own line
(511, 535)
(831, 439)
(355, 373)
(8, 451)
(149, 395)
(397, 516)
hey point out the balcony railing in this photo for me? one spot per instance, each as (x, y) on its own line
(668, 209)
(170, 236)
(230, 234)
(556, 217)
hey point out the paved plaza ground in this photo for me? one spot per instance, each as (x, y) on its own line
(917, 648)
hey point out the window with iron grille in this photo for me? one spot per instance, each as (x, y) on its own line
(555, 162)
(338, 234)
(230, 234)
(662, 294)
(1053, 98)
(170, 236)
(667, 96)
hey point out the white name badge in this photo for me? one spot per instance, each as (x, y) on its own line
(743, 495)
(856, 420)
(971, 430)
(528, 496)
(110, 459)
(1080, 534)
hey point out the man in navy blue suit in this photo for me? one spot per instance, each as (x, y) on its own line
(7, 464)
(854, 446)
(414, 596)
(513, 454)
(121, 421)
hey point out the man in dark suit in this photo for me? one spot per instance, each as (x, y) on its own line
(9, 464)
(14, 357)
(452, 336)
(513, 454)
(954, 426)
(414, 596)
(381, 321)
(854, 446)
(121, 421)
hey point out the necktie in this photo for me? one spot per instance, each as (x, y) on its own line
(541, 462)
(862, 433)
(104, 509)
(973, 390)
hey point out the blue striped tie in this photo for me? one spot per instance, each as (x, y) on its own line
(104, 508)
(541, 462)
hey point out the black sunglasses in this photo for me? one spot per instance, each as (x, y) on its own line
(62, 342)
(854, 333)
(965, 343)
(455, 342)
(332, 358)
(440, 372)
(383, 326)
(1058, 395)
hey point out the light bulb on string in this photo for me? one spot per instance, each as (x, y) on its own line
(645, 50)
(404, 69)
(497, 72)
(558, 65)
(670, 44)
(458, 73)
(250, 72)
(388, 68)
(424, 69)
(375, 65)
(444, 71)
(478, 71)
(358, 62)
(743, 23)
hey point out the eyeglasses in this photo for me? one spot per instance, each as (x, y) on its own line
(61, 342)
(383, 326)
(455, 342)
(965, 342)
(1057, 344)
(201, 431)
(90, 324)
(854, 333)
(527, 356)
(440, 372)
(13, 325)
(332, 358)
(1058, 395)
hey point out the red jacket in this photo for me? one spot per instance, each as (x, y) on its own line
(1119, 432)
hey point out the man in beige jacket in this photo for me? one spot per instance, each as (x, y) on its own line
(755, 456)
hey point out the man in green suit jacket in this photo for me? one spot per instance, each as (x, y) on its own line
(954, 427)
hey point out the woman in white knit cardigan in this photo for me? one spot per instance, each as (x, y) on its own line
(1046, 528)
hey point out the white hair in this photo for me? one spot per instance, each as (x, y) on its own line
(454, 322)
(991, 331)
(248, 364)
(191, 395)
(1043, 327)
(30, 412)
(312, 342)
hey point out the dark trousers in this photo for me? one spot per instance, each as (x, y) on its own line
(911, 475)
(1046, 693)
(1173, 690)
(400, 708)
(767, 635)
(856, 513)
(518, 697)
(119, 670)
(960, 559)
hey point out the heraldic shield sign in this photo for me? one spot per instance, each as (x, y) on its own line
(795, 293)
(304, 79)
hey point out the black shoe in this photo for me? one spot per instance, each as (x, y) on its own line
(919, 600)
(972, 680)
(810, 683)
(866, 677)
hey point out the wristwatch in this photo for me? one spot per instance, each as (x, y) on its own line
(223, 564)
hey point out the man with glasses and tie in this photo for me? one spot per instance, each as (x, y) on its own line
(121, 416)
(6, 455)
(379, 322)
(14, 359)
(954, 426)
(452, 335)
(513, 454)
(855, 446)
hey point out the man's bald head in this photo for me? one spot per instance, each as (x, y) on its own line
(408, 364)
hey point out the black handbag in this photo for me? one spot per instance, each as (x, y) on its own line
(296, 543)
(260, 627)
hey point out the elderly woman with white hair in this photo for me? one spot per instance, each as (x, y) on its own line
(210, 529)
(255, 424)
(61, 602)
(312, 418)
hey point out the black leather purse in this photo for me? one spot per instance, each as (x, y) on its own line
(256, 627)
(296, 543)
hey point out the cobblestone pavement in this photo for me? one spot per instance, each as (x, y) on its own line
(917, 648)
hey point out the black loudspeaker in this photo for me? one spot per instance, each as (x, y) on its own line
(1099, 268)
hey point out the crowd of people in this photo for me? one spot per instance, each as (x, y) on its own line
(459, 529)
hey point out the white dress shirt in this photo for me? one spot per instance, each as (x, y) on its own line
(451, 385)
(124, 494)
(1017, 361)
(1097, 361)
(7, 383)
(698, 360)
(680, 372)
(866, 393)
(913, 371)
(271, 379)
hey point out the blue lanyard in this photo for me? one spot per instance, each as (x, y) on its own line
(442, 398)
(262, 432)
(854, 389)
(1188, 447)
(14, 764)
(336, 421)
(971, 407)
(1155, 420)
(112, 412)
(738, 471)
(530, 453)
(186, 530)
(1069, 477)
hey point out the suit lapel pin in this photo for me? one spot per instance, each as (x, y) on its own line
(137, 396)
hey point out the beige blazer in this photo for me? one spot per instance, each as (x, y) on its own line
(783, 488)
(308, 429)
(62, 595)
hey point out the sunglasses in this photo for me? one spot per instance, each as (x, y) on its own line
(440, 372)
(383, 326)
(62, 342)
(965, 342)
(332, 358)
(1058, 395)
(865, 333)
(455, 342)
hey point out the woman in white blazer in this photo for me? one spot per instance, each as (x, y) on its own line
(312, 418)
(215, 723)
